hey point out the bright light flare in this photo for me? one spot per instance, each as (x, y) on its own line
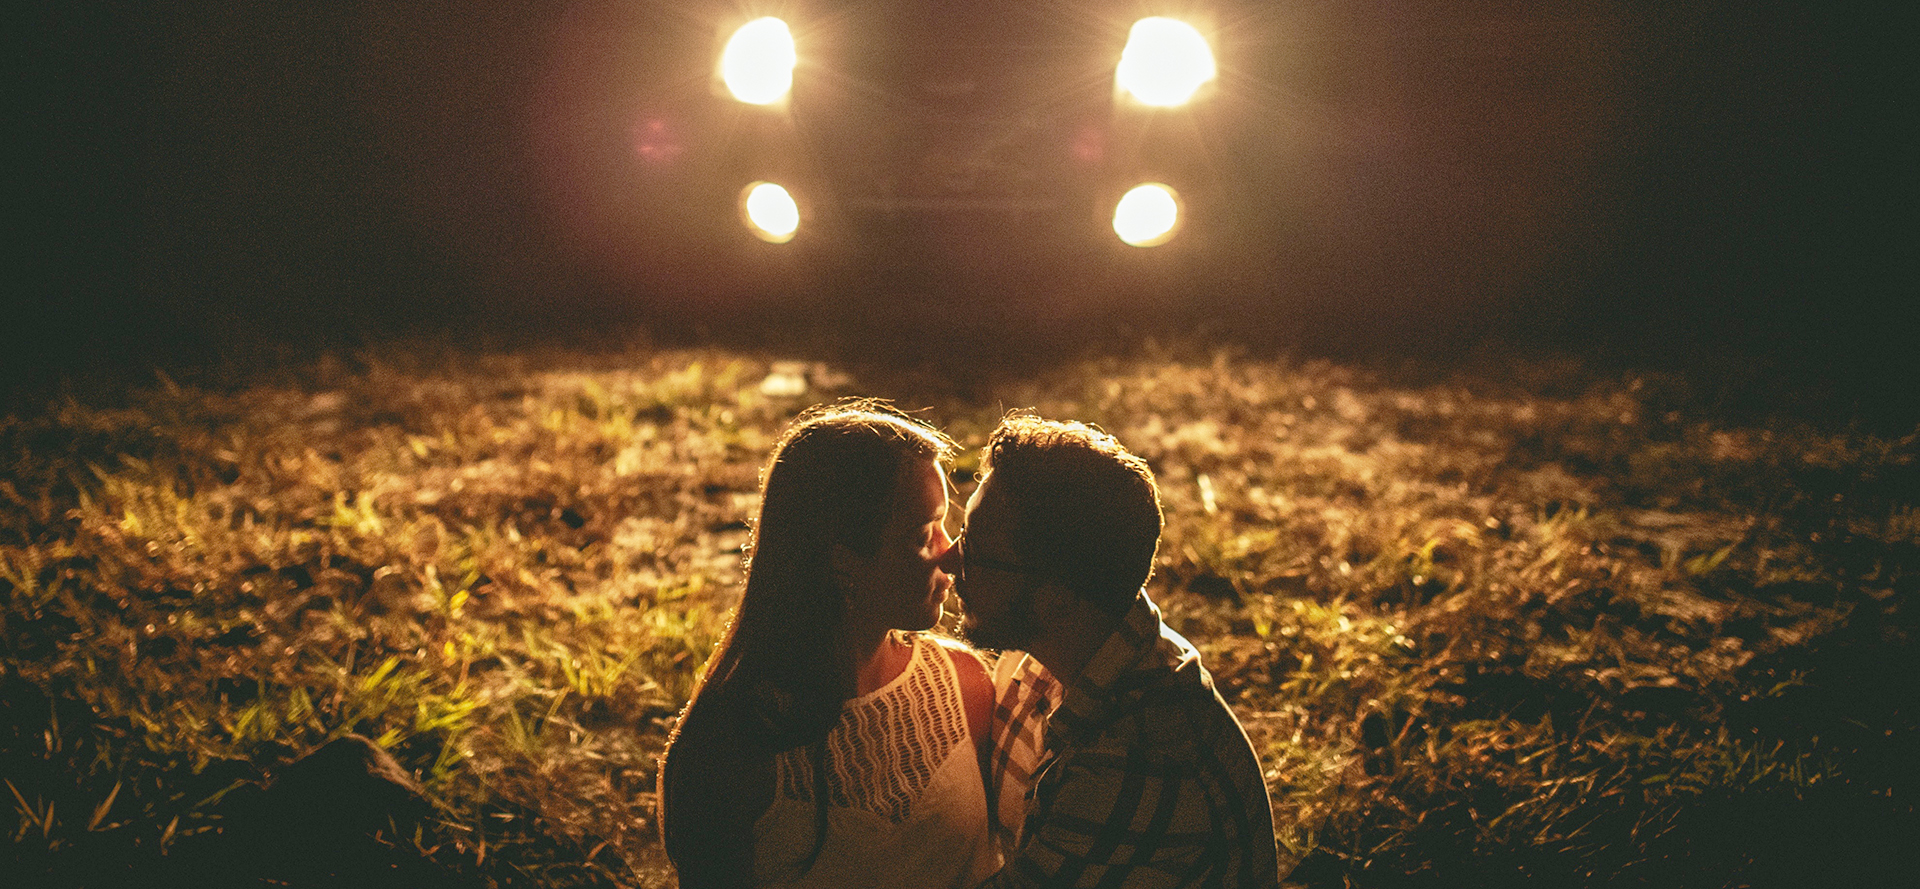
(770, 212)
(1165, 62)
(757, 64)
(1147, 215)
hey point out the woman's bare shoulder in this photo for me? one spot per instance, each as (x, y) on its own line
(957, 648)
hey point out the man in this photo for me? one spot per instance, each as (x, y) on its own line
(1142, 776)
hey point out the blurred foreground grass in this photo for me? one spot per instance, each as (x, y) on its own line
(1544, 627)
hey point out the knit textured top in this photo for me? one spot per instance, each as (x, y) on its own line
(906, 803)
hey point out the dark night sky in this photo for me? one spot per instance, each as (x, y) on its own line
(1646, 178)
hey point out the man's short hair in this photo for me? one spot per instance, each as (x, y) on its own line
(1085, 511)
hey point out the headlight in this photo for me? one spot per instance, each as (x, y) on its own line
(1165, 62)
(1147, 215)
(757, 65)
(769, 212)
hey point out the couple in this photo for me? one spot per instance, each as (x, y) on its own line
(831, 743)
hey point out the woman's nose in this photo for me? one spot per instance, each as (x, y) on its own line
(948, 559)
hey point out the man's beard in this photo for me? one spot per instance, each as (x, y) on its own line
(1015, 627)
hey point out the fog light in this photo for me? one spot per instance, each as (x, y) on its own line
(769, 212)
(1147, 215)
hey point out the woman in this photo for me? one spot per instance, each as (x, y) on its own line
(824, 746)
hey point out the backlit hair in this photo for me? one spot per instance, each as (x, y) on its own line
(1085, 511)
(780, 676)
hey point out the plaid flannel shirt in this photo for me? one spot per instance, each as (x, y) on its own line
(1140, 777)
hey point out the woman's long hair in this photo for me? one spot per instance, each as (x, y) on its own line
(782, 673)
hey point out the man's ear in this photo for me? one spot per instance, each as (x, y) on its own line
(1052, 601)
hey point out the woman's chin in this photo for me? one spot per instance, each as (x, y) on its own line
(936, 607)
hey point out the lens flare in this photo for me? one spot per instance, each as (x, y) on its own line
(1147, 215)
(1165, 62)
(770, 212)
(757, 65)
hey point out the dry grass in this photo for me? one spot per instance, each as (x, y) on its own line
(1542, 627)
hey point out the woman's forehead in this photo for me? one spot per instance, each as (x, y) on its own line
(925, 489)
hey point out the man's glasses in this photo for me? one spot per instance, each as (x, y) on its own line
(968, 559)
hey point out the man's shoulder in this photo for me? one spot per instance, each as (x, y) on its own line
(1172, 721)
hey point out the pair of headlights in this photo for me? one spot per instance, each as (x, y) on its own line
(1165, 62)
(1145, 217)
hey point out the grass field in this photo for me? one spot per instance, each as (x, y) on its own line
(1534, 626)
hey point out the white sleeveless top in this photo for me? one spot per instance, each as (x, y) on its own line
(906, 806)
